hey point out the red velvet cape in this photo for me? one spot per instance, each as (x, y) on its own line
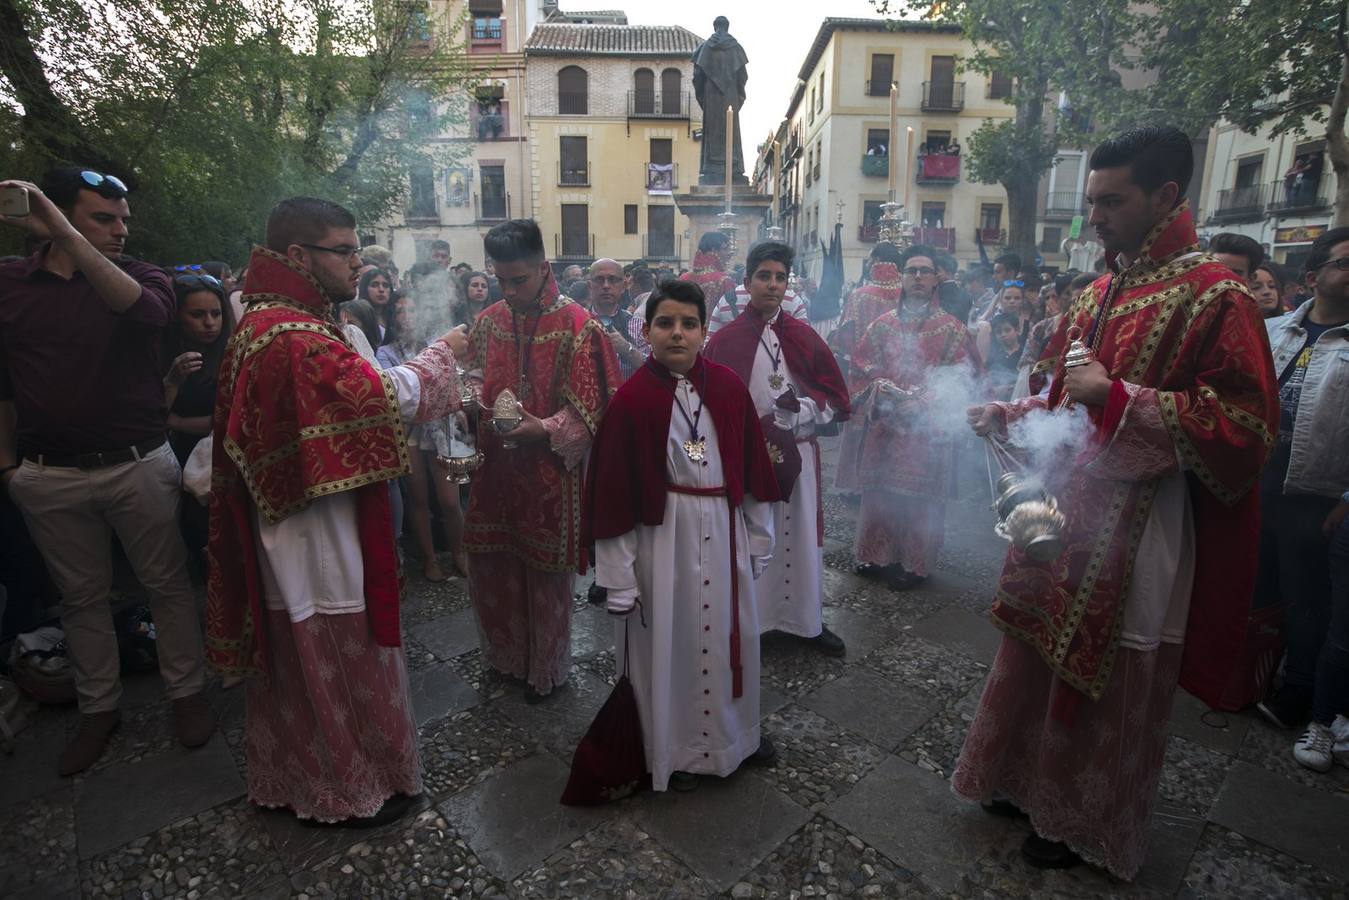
(627, 477)
(299, 415)
(812, 362)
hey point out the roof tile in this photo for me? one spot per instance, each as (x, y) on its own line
(557, 39)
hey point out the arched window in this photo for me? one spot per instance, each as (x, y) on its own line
(644, 92)
(573, 91)
(671, 92)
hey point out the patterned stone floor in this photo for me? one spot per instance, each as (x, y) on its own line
(856, 806)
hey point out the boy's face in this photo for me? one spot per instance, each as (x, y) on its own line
(767, 287)
(675, 334)
(1006, 336)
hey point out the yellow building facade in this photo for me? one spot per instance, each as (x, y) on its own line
(612, 131)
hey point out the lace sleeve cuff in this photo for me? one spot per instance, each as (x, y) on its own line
(568, 436)
(440, 385)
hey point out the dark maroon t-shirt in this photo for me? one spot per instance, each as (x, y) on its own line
(82, 377)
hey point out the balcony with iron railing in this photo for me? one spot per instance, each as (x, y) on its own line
(875, 165)
(573, 176)
(658, 105)
(938, 168)
(1298, 198)
(573, 103)
(492, 208)
(486, 37)
(988, 236)
(1241, 203)
(662, 247)
(574, 246)
(943, 96)
(878, 88)
(1064, 205)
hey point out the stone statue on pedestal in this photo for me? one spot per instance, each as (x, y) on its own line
(719, 78)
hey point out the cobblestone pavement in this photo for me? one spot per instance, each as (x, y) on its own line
(856, 806)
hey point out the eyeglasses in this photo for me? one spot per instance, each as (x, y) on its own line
(606, 279)
(98, 179)
(920, 271)
(198, 282)
(1014, 284)
(347, 253)
(1341, 263)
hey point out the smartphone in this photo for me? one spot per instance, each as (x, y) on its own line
(13, 201)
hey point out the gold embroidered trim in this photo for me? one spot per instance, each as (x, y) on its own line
(1188, 454)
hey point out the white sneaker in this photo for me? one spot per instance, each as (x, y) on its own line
(1340, 729)
(1314, 749)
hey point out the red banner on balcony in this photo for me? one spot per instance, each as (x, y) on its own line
(940, 166)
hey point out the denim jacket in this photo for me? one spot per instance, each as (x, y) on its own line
(1319, 463)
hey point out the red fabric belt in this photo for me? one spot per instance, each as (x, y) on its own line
(737, 673)
(819, 490)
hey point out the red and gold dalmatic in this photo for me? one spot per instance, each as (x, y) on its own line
(299, 416)
(869, 302)
(526, 501)
(707, 274)
(1176, 322)
(887, 455)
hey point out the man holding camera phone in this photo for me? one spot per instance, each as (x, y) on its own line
(82, 398)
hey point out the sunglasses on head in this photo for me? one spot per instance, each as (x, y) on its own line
(1014, 284)
(100, 182)
(197, 282)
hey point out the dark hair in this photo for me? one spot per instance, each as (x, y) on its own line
(518, 239)
(367, 319)
(918, 250)
(769, 251)
(304, 220)
(1079, 284)
(1061, 284)
(643, 280)
(440, 245)
(391, 332)
(579, 290)
(469, 276)
(712, 242)
(885, 252)
(1010, 261)
(946, 262)
(681, 291)
(1274, 272)
(1321, 247)
(217, 268)
(979, 273)
(62, 185)
(1155, 155)
(363, 291)
(1004, 319)
(173, 336)
(421, 270)
(1238, 245)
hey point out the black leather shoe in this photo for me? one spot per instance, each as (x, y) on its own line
(870, 570)
(597, 595)
(1043, 854)
(900, 579)
(683, 782)
(766, 755)
(829, 643)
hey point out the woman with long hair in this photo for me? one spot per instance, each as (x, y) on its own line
(426, 442)
(376, 288)
(477, 290)
(361, 314)
(194, 342)
(1267, 288)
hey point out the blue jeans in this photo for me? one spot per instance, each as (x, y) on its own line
(1332, 666)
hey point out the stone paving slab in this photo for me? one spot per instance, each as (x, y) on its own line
(514, 820)
(437, 692)
(30, 771)
(911, 816)
(1193, 720)
(448, 636)
(558, 722)
(867, 704)
(592, 632)
(302, 845)
(1306, 824)
(962, 632)
(127, 800)
(860, 632)
(724, 828)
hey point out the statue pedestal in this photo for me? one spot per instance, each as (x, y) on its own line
(704, 205)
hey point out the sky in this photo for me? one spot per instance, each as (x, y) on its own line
(776, 37)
